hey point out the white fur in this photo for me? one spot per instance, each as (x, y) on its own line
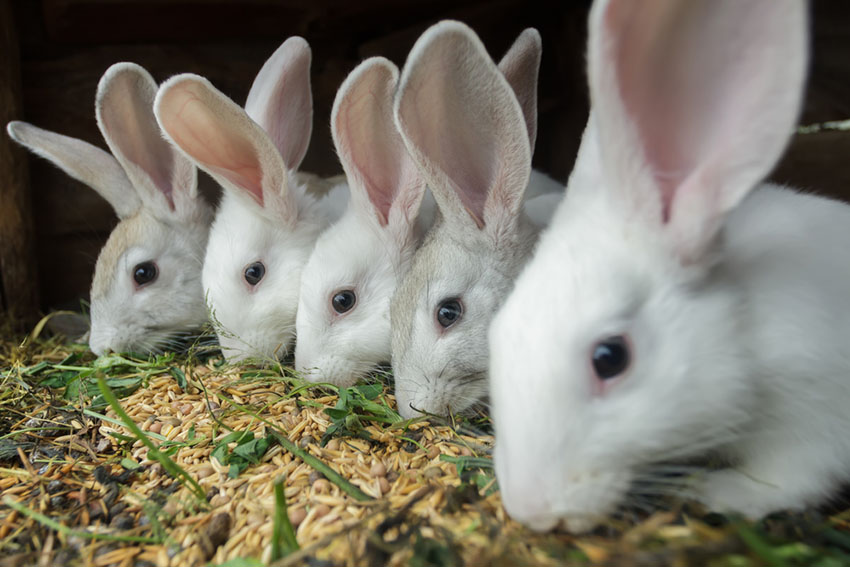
(125, 317)
(162, 218)
(266, 214)
(734, 300)
(355, 253)
(362, 254)
(257, 322)
(462, 123)
(370, 247)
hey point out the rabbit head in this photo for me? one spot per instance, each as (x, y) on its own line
(266, 225)
(463, 125)
(147, 283)
(622, 344)
(343, 322)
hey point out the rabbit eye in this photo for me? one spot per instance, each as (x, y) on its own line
(145, 273)
(611, 357)
(254, 273)
(343, 301)
(449, 312)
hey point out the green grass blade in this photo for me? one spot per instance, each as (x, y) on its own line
(288, 445)
(173, 468)
(283, 534)
(469, 462)
(65, 530)
(758, 545)
(320, 466)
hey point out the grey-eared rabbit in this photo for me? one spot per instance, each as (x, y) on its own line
(268, 220)
(147, 282)
(679, 307)
(464, 126)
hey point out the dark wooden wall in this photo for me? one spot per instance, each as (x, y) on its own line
(65, 46)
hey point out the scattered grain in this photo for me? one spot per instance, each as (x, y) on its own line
(378, 468)
(297, 516)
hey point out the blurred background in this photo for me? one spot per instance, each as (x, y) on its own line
(53, 52)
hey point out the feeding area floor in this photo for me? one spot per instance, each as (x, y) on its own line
(183, 460)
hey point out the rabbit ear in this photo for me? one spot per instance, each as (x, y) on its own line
(520, 66)
(281, 102)
(82, 161)
(165, 181)
(381, 174)
(695, 102)
(464, 128)
(223, 141)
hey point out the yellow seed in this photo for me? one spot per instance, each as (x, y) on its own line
(297, 516)
(378, 469)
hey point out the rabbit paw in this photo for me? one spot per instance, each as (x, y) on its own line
(734, 491)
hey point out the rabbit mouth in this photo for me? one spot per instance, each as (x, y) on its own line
(158, 338)
(461, 395)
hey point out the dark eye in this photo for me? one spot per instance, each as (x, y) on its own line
(254, 273)
(448, 312)
(145, 273)
(343, 301)
(611, 357)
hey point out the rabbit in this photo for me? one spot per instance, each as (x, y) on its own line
(678, 306)
(146, 288)
(342, 324)
(267, 222)
(463, 125)
(343, 321)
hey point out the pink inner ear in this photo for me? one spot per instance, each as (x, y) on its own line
(210, 140)
(281, 102)
(447, 121)
(688, 81)
(634, 29)
(127, 115)
(368, 139)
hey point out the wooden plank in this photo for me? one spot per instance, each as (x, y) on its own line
(18, 282)
(817, 163)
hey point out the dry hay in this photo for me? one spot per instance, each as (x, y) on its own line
(428, 496)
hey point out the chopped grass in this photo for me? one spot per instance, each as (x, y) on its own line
(323, 468)
(173, 468)
(81, 462)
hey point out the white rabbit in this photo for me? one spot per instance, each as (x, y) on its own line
(462, 123)
(343, 321)
(343, 325)
(147, 282)
(266, 224)
(677, 307)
